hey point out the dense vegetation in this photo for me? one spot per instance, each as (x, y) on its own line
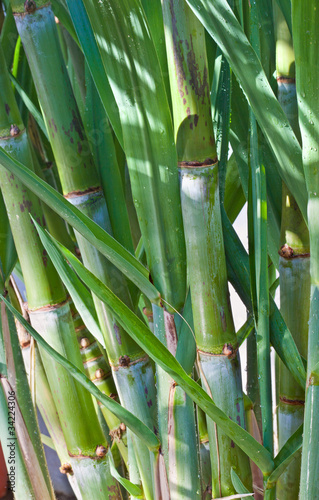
(132, 133)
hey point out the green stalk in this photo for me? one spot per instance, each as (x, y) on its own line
(21, 417)
(48, 310)
(99, 371)
(294, 267)
(305, 19)
(214, 329)
(81, 187)
(176, 419)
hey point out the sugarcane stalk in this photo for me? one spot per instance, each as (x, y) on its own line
(99, 371)
(81, 186)
(294, 267)
(214, 330)
(49, 312)
(21, 417)
(176, 419)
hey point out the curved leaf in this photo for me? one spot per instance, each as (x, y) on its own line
(107, 245)
(160, 354)
(140, 429)
(222, 25)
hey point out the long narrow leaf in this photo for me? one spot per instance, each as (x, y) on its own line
(107, 245)
(221, 23)
(160, 354)
(140, 429)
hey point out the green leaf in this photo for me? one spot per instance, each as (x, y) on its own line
(238, 275)
(81, 296)
(107, 245)
(286, 455)
(30, 106)
(133, 489)
(94, 61)
(238, 485)
(133, 72)
(245, 330)
(160, 354)
(221, 23)
(140, 429)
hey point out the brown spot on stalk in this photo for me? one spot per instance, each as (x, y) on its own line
(79, 148)
(229, 351)
(116, 434)
(30, 6)
(7, 108)
(124, 360)
(14, 130)
(66, 469)
(148, 313)
(101, 451)
(44, 257)
(170, 332)
(21, 207)
(195, 120)
(286, 251)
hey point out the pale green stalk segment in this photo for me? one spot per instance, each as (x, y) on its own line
(138, 427)
(19, 203)
(148, 138)
(157, 351)
(213, 320)
(109, 247)
(80, 295)
(62, 118)
(176, 419)
(219, 20)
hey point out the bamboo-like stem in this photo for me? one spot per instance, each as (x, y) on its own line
(99, 371)
(21, 414)
(49, 313)
(81, 186)
(214, 330)
(294, 267)
(176, 419)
